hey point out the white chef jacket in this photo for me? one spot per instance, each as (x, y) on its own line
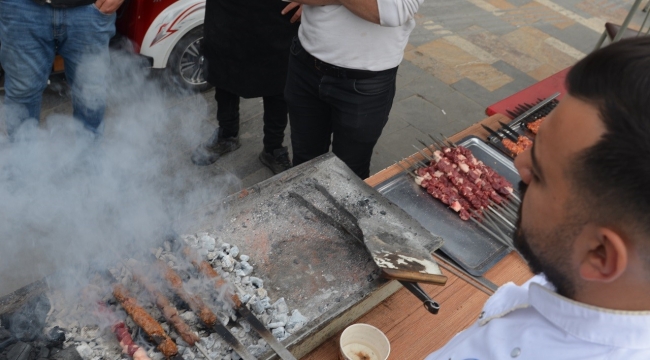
(533, 322)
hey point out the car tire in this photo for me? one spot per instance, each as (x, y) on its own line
(185, 63)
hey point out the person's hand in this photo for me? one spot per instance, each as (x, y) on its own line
(290, 7)
(108, 6)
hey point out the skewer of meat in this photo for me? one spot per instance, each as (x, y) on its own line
(195, 302)
(533, 126)
(150, 326)
(523, 143)
(199, 307)
(129, 347)
(206, 269)
(168, 310)
(126, 342)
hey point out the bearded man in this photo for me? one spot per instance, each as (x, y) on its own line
(584, 225)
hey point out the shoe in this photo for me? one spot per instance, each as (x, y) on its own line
(278, 161)
(208, 152)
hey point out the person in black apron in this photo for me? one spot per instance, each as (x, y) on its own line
(246, 48)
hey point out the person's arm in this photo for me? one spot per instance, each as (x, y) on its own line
(108, 6)
(393, 12)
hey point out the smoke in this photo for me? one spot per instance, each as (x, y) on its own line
(73, 203)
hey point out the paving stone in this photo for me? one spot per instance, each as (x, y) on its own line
(577, 35)
(420, 113)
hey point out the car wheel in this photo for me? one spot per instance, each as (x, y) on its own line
(186, 62)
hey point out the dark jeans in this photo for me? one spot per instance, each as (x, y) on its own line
(275, 117)
(348, 114)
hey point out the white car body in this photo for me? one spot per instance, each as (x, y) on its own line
(169, 27)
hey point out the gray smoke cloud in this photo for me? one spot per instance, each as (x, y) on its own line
(70, 201)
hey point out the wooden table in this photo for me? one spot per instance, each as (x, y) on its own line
(414, 332)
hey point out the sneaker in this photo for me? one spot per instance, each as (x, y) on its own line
(278, 161)
(208, 152)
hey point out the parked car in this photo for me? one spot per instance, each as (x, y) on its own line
(168, 33)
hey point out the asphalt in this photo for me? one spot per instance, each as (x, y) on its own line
(462, 56)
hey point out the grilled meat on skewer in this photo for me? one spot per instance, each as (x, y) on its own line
(533, 126)
(140, 316)
(523, 143)
(195, 303)
(127, 344)
(169, 311)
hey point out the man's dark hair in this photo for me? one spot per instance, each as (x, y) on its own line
(613, 176)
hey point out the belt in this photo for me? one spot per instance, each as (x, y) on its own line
(336, 71)
(65, 4)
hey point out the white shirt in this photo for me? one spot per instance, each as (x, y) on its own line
(335, 35)
(533, 322)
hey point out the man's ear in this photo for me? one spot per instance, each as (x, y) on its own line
(604, 255)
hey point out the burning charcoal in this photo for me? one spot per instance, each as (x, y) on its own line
(244, 258)
(246, 327)
(190, 318)
(258, 307)
(257, 282)
(55, 337)
(279, 333)
(43, 353)
(19, 351)
(281, 318)
(275, 325)
(261, 293)
(67, 354)
(168, 246)
(220, 255)
(190, 240)
(281, 306)
(84, 350)
(225, 247)
(211, 255)
(223, 318)
(159, 252)
(257, 350)
(296, 321)
(266, 302)
(227, 263)
(245, 280)
(246, 268)
(188, 354)
(208, 242)
(234, 251)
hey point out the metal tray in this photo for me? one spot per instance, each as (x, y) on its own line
(465, 243)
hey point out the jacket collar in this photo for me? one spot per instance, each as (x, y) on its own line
(625, 329)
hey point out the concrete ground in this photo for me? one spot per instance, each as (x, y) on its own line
(462, 56)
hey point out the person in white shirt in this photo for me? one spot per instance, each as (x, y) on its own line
(584, 225)
(341, 80)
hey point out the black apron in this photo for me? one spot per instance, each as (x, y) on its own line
(246, 46)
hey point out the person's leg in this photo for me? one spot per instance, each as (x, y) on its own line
(225, 138)
(227, 112)
(309, 116)
(275, 122)
(362, 108)
(83, 45)
(26, 54)
(275, 156)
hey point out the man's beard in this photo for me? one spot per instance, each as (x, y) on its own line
(554, 261)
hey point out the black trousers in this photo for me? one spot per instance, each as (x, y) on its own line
(275, 117)
(348, 114)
